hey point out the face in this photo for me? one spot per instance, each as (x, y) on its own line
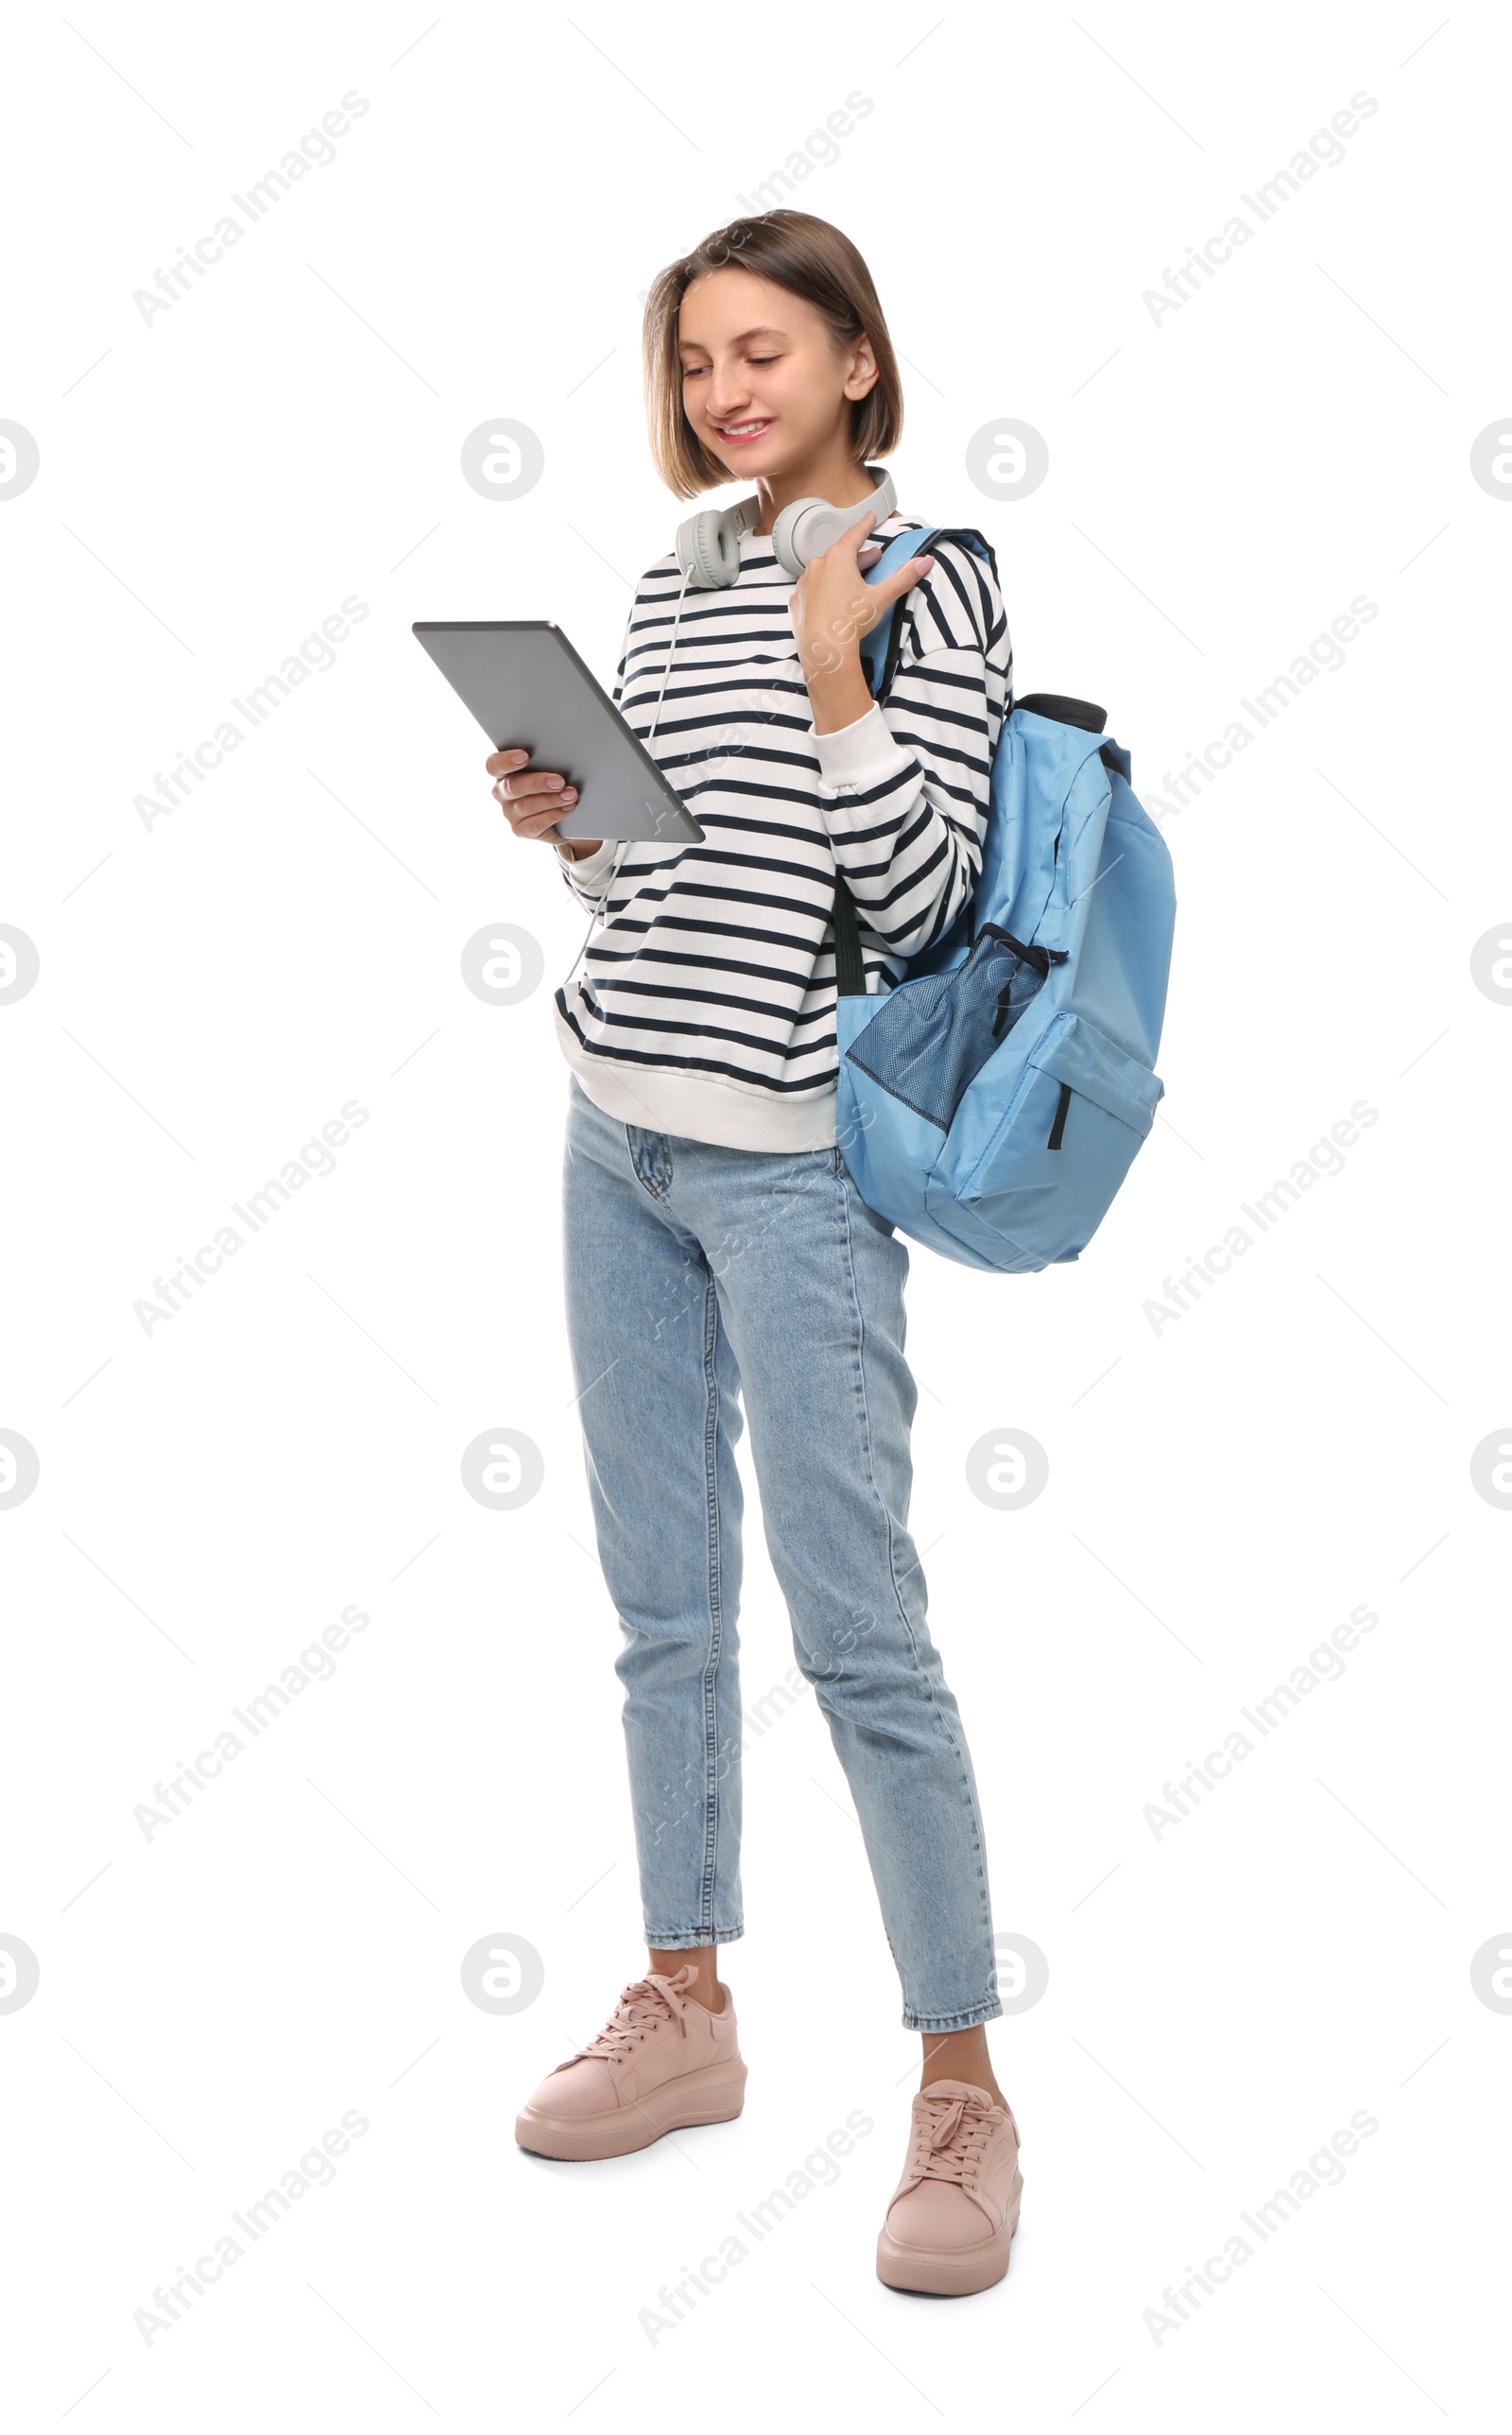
(763, 386)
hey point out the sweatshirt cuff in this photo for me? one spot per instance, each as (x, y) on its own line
(588, 867)
(860, 756)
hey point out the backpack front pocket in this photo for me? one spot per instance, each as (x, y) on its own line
(1067, 1138)
(933, 1035)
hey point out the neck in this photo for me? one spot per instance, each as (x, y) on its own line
(840, 479)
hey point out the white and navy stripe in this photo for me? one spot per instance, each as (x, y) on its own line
(706, 1004)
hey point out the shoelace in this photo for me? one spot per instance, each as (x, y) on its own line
(949, 2139)
(642, 2002)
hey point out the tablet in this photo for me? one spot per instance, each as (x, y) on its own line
(526, 685)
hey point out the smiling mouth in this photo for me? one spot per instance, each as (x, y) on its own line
(740, 431)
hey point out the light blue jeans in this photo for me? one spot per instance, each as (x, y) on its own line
(696, 1274)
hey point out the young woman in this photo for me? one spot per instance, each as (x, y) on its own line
(716, 1246)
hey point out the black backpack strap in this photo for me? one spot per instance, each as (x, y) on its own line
(850, 969)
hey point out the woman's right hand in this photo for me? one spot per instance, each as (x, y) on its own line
(533, 801)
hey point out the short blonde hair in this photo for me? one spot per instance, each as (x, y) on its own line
(810, 259)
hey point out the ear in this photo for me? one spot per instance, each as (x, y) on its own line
(864, 375)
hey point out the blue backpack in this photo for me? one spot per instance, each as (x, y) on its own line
(990, 1103)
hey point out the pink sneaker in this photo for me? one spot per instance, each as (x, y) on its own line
(953, 2216)
(663, 2062)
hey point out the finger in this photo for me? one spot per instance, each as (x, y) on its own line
(521, 782)
(508, 757)
(529, 806)
(854, 536)
(535, 823)
(902, 579)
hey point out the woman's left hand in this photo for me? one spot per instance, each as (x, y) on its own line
(832, 605)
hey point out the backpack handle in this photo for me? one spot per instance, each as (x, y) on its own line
(1066, 710)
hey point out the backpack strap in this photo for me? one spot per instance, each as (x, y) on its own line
(881, 650)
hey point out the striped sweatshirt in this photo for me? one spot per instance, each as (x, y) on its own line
(706, 1001)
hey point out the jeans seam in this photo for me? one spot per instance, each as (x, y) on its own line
(654, 1191)
(974, 2017)
(687, 1940)
(715, 1609)
(986, 1907)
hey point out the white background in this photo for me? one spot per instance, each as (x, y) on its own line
(1222, 1493)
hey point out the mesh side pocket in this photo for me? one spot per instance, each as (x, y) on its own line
(933, 1035)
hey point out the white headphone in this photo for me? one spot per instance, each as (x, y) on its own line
(708, 543)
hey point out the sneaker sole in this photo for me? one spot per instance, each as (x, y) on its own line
(950, 2273)
(716, 2094)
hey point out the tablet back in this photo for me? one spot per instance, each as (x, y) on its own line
(526, 685)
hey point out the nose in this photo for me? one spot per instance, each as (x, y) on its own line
(726, 409)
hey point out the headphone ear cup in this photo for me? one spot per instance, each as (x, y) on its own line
(793, 541)
(709, 549)
(810, 526)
